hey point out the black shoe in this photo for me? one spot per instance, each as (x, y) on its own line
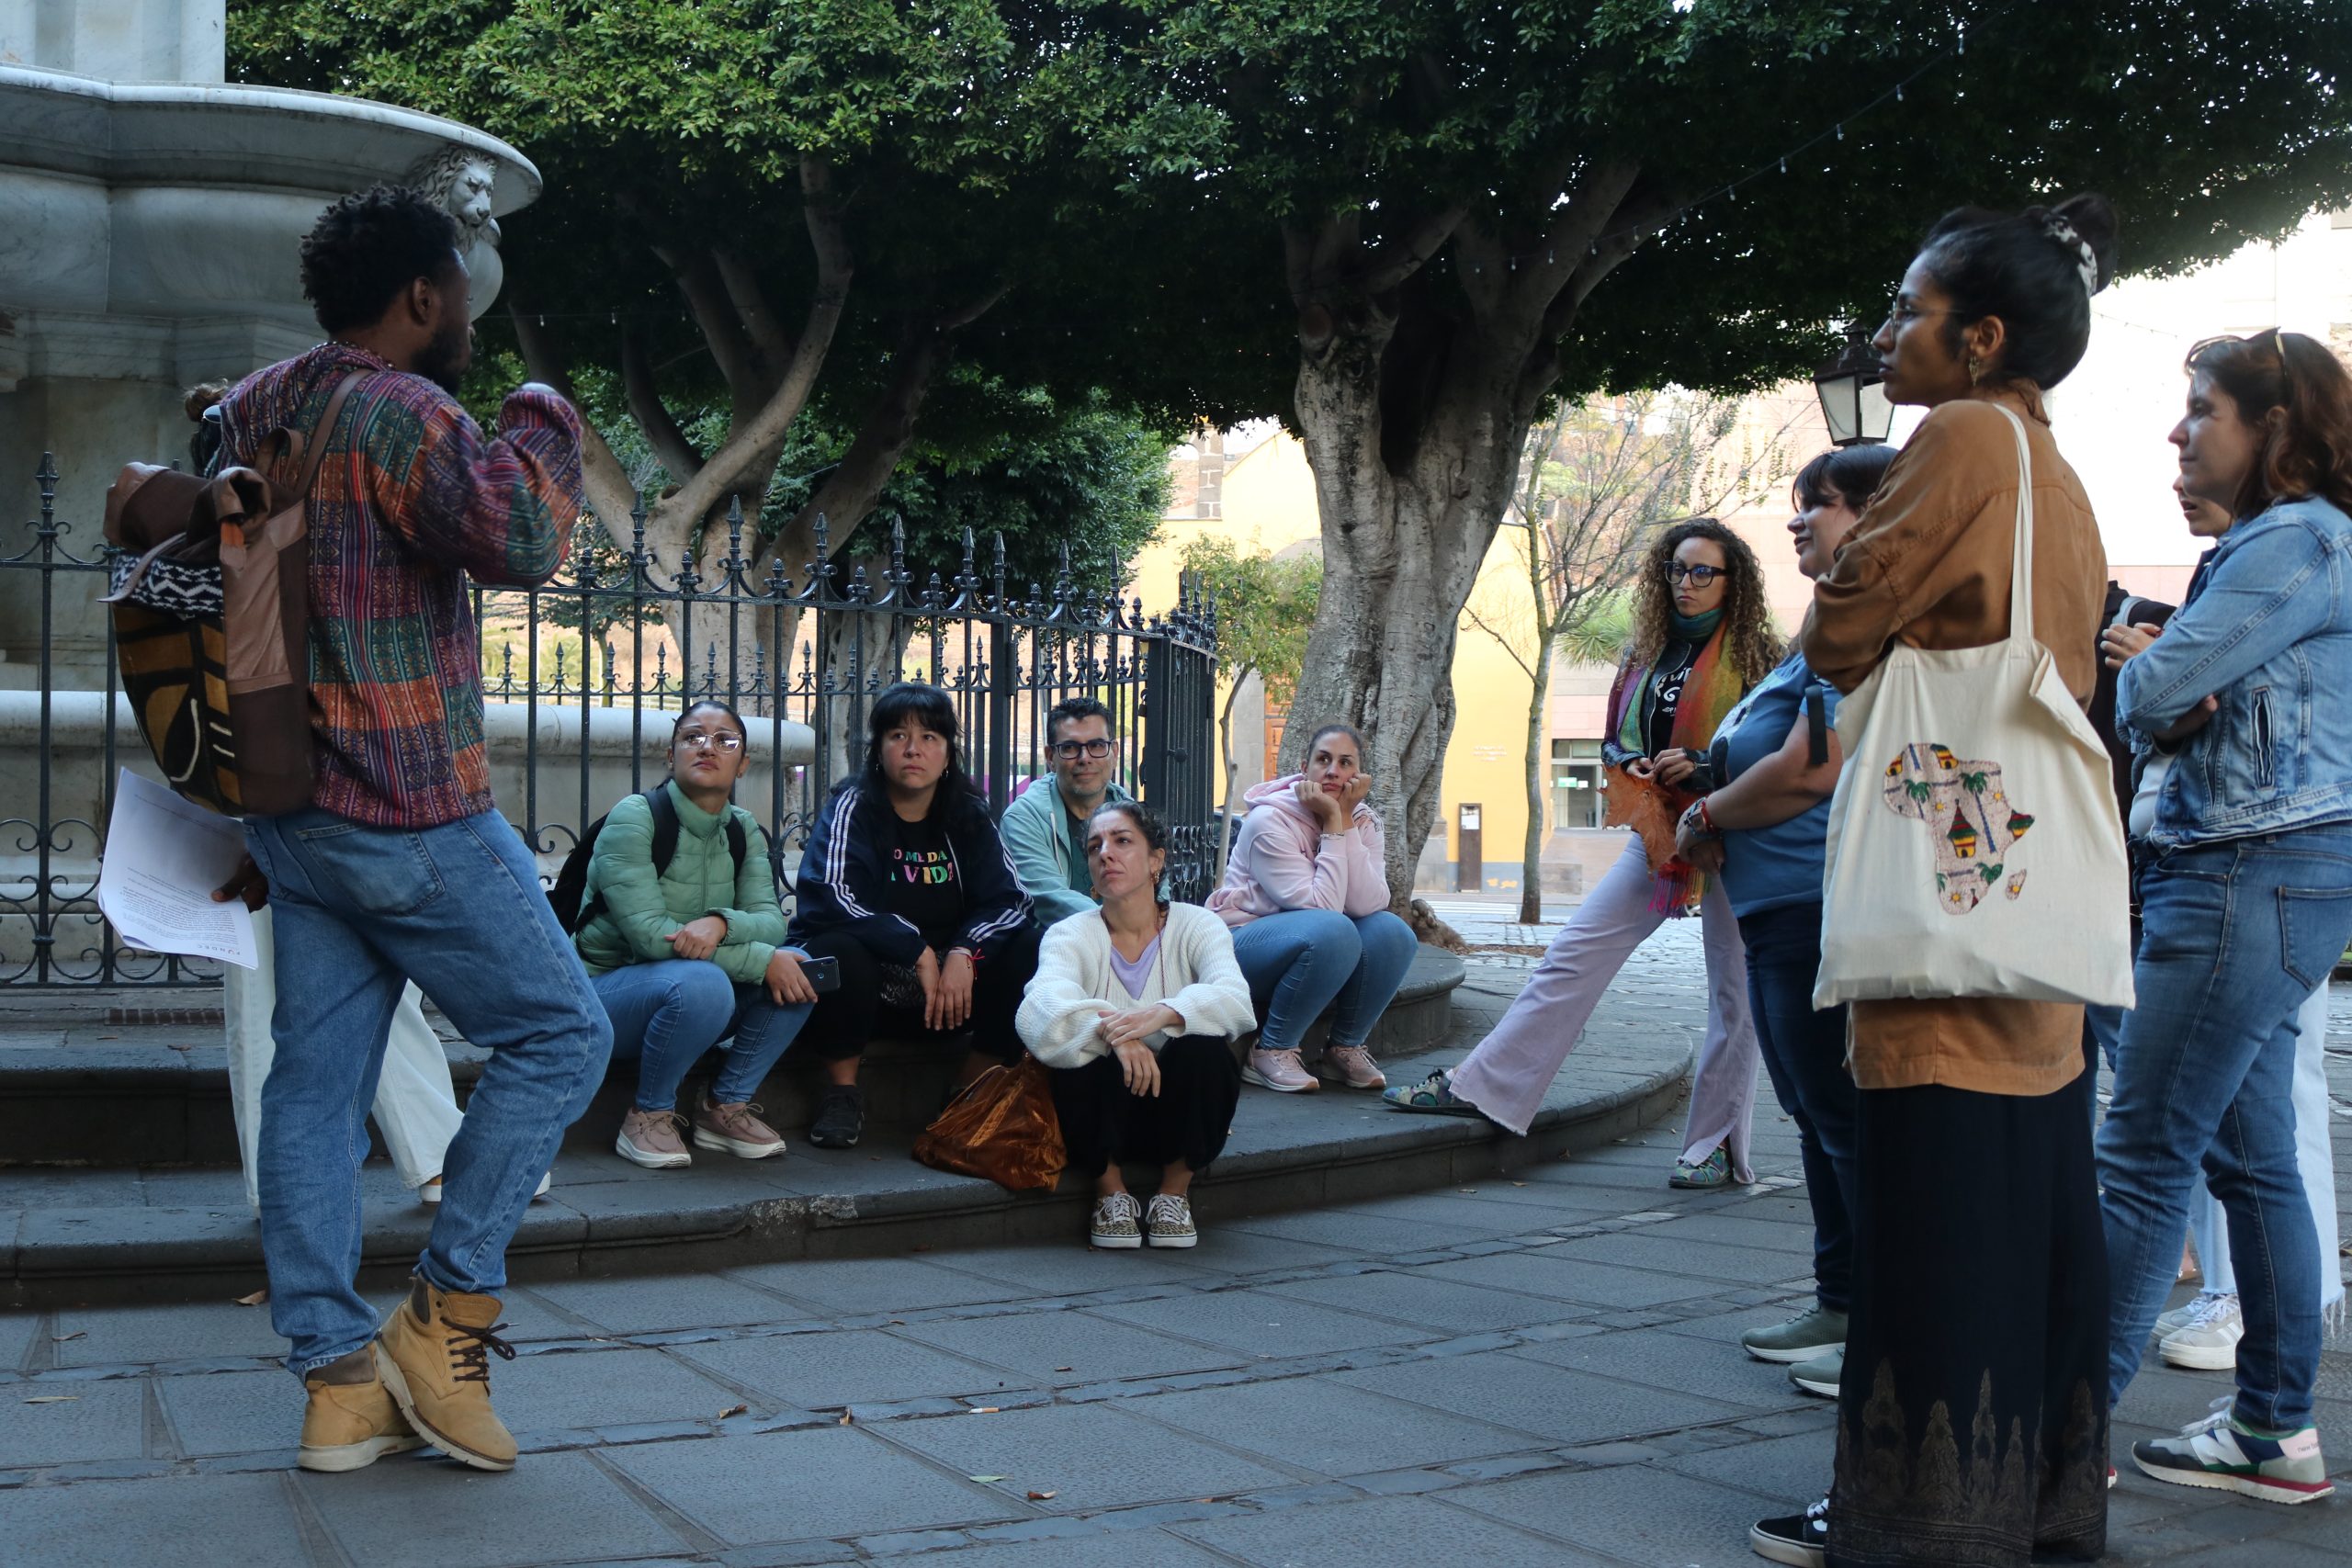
(1799, 1539)
(841, 1118)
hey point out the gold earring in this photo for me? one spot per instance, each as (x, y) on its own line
(1976, 369)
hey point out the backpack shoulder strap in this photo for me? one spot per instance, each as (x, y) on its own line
(665, 827)
(1817, 725)
(739, 843)
(315, 447)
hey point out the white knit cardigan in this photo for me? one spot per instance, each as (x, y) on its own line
(1075, 986)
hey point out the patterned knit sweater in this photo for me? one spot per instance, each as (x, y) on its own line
(411, 500)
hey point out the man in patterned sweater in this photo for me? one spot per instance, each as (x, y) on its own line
(400, 868)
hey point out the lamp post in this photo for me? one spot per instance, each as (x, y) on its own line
(1853, 401)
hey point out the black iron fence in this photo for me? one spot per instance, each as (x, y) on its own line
(583, 676)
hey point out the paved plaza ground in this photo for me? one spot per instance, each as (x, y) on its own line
(1539, 1368)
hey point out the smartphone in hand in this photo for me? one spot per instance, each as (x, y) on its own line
(822, 973)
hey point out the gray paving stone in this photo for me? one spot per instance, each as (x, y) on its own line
(106, 1524)
(1092, 1457)
(1741, 1229)
(1779, 1471)
(1725, 1327)
(1121, 1549)
(1072, 1270)
(234, 1412)
(1556, 1405)
(17, 1330)
(642, 1306)
(1227, 1250)
(1641, 1515)
(817, 1484)
(90, 1421)
(1717, 1261)
(1447, 1214)
(845, 1289)
(407, 1511)
(1659, 1359)
(1571, 1281)
(1380, 1235)
(136, 1335)
(603, 1388)
(1384, 1529)
(845, 1367)
(1039, 1346)
(1422, 1296)
(1259, 1325)
(1316, 1424)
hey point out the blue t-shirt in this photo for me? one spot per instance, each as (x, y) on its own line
(1769, 868)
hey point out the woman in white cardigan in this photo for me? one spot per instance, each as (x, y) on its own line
(1134, 1004)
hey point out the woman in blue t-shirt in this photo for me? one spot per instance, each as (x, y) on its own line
(1763, 832)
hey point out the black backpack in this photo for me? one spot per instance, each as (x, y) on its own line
(573, 880)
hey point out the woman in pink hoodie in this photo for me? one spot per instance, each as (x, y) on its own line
(1307, 895)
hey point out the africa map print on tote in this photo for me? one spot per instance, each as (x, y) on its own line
(1969, 816)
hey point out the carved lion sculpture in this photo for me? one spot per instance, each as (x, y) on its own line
(1969, 817)
(461, 180)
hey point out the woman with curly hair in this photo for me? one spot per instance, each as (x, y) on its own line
(1700, 639)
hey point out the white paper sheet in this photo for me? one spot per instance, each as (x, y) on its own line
(163, 857)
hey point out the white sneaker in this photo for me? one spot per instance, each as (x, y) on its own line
(1279, 1071)
(2209, 1340)
(2173, 1322)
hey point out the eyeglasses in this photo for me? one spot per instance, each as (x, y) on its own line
(1698, 576)
(1069, 751)
(697, 740)
(1900, 314)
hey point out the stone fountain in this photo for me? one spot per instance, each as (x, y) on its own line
(150, 219)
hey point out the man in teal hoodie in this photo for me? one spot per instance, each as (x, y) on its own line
(1045, 828)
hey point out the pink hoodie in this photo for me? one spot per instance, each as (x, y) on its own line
(1283, 861)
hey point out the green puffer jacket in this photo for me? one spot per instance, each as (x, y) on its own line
(640, 911)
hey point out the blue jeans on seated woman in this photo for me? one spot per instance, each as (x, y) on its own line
(2236, 936)
(1302, 961)
(668, 1012)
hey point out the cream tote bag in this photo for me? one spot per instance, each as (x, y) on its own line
(1975, 849)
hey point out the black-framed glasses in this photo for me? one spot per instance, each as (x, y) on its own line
(1070, 750)
(700, 741)
(1698, 576)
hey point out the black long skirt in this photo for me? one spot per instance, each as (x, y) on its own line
(1200, 1085)
(1971, 1413)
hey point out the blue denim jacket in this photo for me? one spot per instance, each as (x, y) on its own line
(2267, 629)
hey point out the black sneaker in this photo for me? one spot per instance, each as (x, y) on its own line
(840, 1117)
(1799, 1539)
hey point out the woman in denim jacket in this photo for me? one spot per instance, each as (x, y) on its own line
(2249, 906)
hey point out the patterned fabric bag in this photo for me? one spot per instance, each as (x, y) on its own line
(1975, 849)
(210, 599)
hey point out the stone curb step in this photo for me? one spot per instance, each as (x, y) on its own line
(606, 1219)
(159, 1093)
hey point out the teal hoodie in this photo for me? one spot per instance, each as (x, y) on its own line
(641, 912)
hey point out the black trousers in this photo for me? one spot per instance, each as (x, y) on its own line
(1971, 1414)
(844, 1020)
(1199, 1083)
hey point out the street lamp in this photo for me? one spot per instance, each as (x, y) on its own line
(1853, 400)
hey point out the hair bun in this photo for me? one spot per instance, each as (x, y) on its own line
(2084, 224)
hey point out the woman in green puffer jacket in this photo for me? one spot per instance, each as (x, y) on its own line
(688, 954)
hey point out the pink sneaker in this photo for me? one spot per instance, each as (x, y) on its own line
(737, 1128)
(1355, 1066)
(1278, 1071)
(650, 1138)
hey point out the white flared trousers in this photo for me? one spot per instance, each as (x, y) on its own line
(417, 1104)
(1512, 1068)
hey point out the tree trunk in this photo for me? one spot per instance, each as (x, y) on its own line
(1404, 535)
(1530, 870)
(1225, 728)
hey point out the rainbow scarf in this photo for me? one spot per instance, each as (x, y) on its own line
(1711, 690)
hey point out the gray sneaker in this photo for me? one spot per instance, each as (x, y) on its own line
(1820, 1375)
(1803, 1339)
(2180, 1317)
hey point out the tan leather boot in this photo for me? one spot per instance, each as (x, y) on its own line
(434, 1355)
(351, 1421)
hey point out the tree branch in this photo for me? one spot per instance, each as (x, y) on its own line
(769, 341)
(697, 279)
(849, 490)
(606, 483)
(751, 447)
(671, 447)
(1389, 265)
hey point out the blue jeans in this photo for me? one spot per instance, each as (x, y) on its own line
(1805, 1052)
(360, 911)
(668, 1012)
(1302, 961)
(2236, 936)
